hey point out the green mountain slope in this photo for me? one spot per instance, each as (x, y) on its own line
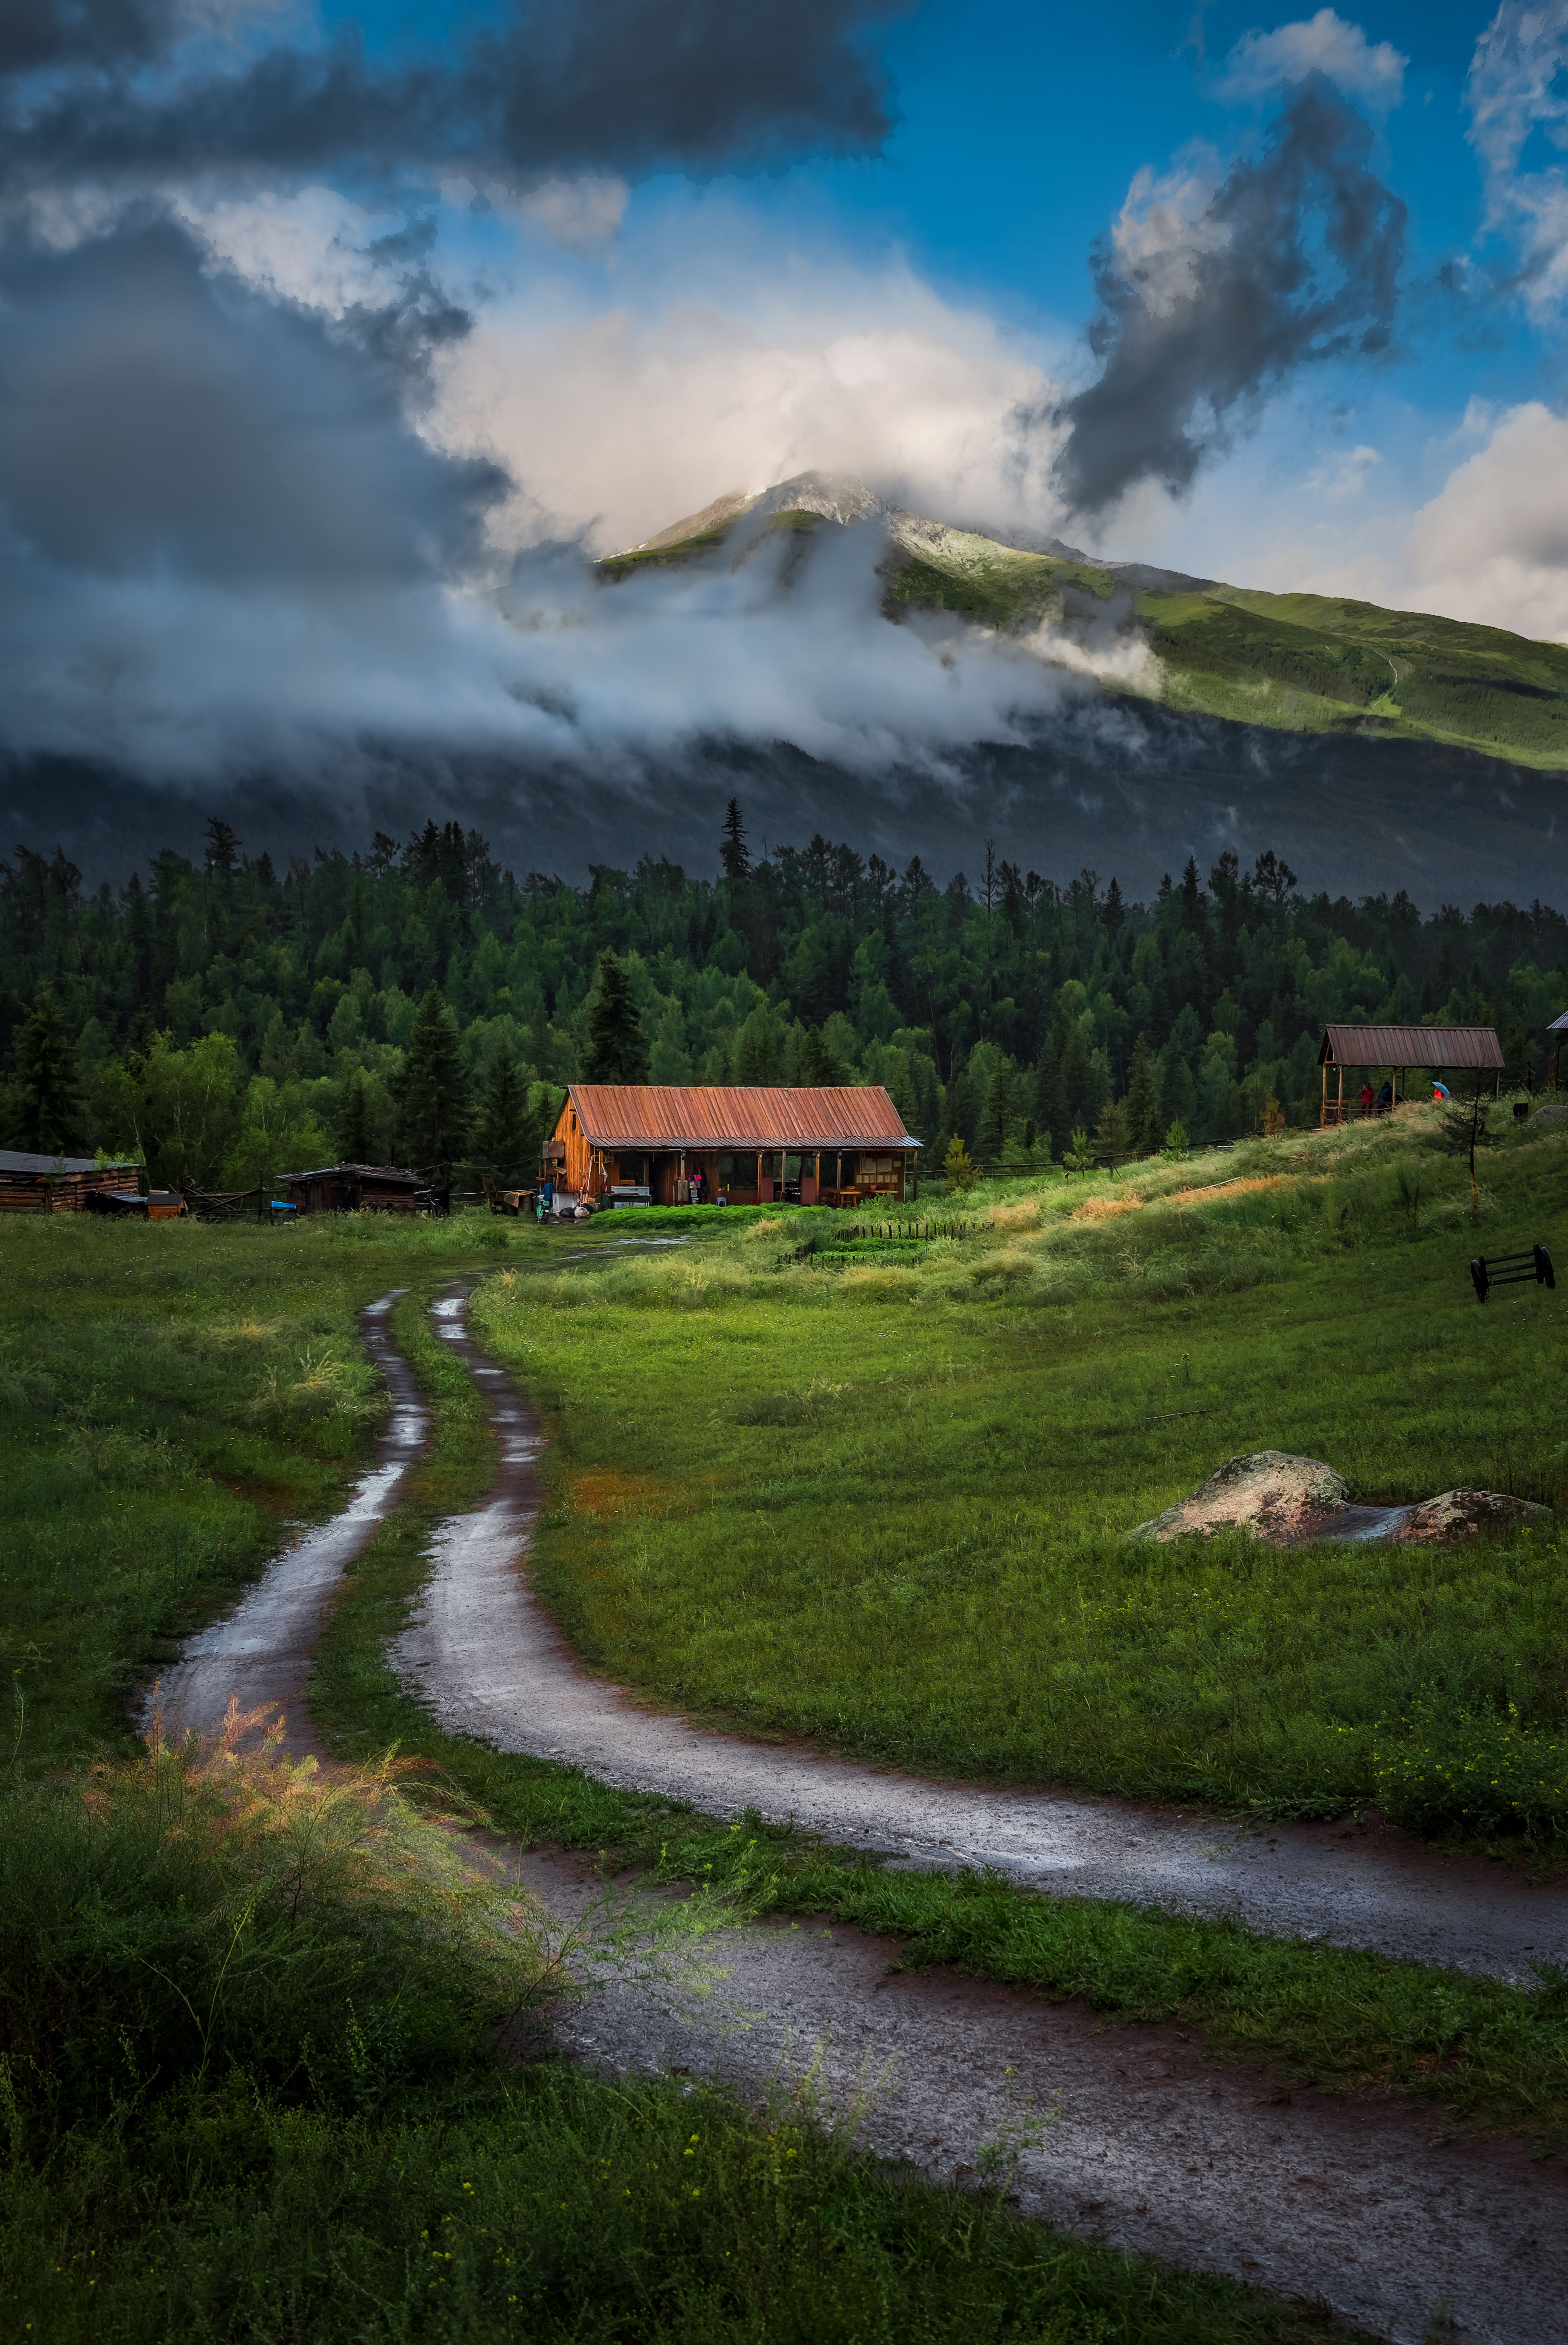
(1295, 663)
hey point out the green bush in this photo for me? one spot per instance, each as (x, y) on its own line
(1444, 1768)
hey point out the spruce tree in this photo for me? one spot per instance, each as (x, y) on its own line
(356, 1122)
(47, 1105)
(735, 854)
(991, 1139)
(1143, 1100)
(617, 1048)
(1050, 1107)
(432, 1090)
(505, 1140)
(1113, 1138)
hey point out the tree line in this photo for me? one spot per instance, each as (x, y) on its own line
(226, 1021)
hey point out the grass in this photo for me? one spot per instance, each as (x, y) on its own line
(761, 1469)
(170, 1396)
(1493, 2054)
(249, 2083)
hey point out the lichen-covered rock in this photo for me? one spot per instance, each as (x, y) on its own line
(1460, 1514)
(1267, 1492)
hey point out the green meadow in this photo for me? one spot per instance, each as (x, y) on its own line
(260, 2074)
(877, 1494)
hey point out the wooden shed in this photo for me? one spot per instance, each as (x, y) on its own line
(673, 1144)
(349, 1188)
(57, 1184)
(1394, 1050)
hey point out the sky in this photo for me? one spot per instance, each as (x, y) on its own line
(338, 340)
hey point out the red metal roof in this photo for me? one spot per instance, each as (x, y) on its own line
(1410, 1046)
(683, 1115)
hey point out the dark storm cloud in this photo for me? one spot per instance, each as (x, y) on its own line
(1296, 260)
(35, 33)
(156, 420)
(560, 85)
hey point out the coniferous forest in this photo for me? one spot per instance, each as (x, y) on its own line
(229, 1021)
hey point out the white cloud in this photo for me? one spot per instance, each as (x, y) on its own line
(1260, 62)
(695, 377)
(1342, 474)
(1516, 88)
(1493, 545)
(581, 213)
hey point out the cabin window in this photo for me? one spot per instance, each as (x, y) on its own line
(745, 1175)
(634, 1169)
(726, 1172)
(792, 1168)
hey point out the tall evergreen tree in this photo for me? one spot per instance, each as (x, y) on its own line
(1050, 1107)
(356, 1135)
(432, 1090)
(504, 1138)
(991, 1139)
(1113, 1138)
(1143, 1100)
(735, 854)
(617, 1047)
(48, 1109)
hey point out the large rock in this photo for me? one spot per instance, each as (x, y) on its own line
(1267, 1492)
(1289, 1500)
(1460, 1514)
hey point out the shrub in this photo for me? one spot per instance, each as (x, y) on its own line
(1444, 1768)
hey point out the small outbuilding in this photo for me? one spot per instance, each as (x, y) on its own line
(354, 1188)
(1396, 1050)
(676, 1144)
(31, 1184)
(1558, 1029)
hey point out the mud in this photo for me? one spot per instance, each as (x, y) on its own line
(484, 1657)
(1156, 2149)
(261, 1652)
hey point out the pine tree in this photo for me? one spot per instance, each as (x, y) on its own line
(1143, 1100)
(1050, 1107)
(1076, 1080)
(734, 855)
(433, 1090)
(991, 1139)
(958, 1167)
(1078, 1155)
(504, 1138)
(617, 1047)
(47, 1105)
(356, 1122)
(1113, 1139)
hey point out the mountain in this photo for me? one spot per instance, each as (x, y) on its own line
(1297, 664)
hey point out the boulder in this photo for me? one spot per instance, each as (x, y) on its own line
(1291, 1500)
(1460, 1514)
(1267, 1492)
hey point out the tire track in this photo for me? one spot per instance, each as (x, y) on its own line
(483, 1656)
(1156, 2149)
(261, 1652)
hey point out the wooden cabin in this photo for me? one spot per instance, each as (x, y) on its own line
(57, 1184)
(1393, 1051)
(349, 1188)
(669, 1143)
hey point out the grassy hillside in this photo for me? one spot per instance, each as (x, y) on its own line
(1296, 663)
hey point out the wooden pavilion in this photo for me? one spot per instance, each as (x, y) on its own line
(1394, 1050)
(670, 1144)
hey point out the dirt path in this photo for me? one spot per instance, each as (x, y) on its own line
(261, 1650)
(483, 1656)
(1155, 2148)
